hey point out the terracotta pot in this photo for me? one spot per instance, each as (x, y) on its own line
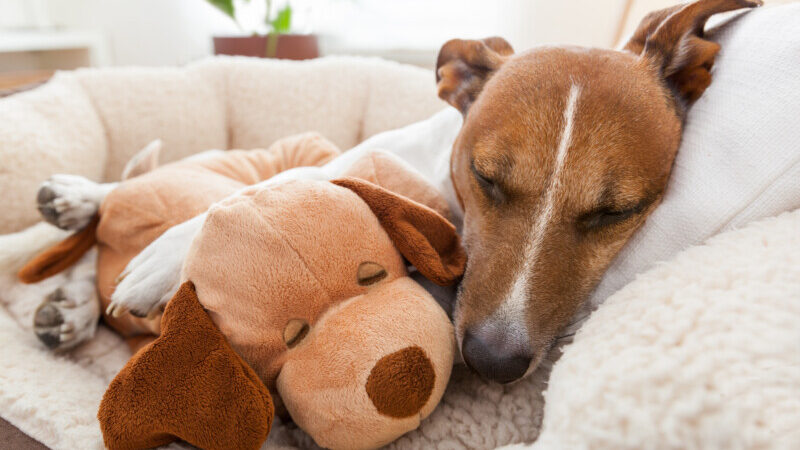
(288, 46)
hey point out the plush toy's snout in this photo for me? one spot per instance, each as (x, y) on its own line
(371, 368)
(401, 383)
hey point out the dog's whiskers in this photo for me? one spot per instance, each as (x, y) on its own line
(579, 320)
(565, 336)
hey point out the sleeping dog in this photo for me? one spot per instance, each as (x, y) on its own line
(552, 158)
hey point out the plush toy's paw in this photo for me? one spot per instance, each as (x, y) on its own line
(68, 316)
(153, 276)
(69, 201)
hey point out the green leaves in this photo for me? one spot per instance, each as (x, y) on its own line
(282, 22)
(226, 6)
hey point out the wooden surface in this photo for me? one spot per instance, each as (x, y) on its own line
(13, 82)
(12, 438)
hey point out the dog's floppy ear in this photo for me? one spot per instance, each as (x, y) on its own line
(60, 256)
(188, 384)
(425, 238)
(671, 41)
(464, 66)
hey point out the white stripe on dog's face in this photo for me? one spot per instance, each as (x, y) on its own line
(512, 311)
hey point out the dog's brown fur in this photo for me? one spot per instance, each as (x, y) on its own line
(626, 129)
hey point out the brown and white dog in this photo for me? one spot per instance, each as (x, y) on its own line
(563, 153)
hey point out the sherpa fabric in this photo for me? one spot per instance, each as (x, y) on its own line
(51, 129)
(90, 122)
(702, 351)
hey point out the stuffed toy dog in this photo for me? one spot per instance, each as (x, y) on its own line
(295, 297)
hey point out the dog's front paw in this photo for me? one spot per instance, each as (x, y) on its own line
(67, 317)
(69, 201)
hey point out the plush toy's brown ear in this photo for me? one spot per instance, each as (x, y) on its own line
(464, 66)
(188, 384)
(671, 40)
(60, 256)
(425, 238)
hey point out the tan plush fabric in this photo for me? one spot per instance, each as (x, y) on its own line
(389, 171)
(344, 350)
(305, 279)
(90, 122)
(268, 257)
(142, 208)
(378, 349)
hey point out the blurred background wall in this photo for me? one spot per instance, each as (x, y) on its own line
(44, 35)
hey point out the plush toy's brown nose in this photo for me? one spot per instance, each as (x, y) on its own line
(400, 383)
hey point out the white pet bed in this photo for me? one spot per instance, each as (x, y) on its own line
(699, 352)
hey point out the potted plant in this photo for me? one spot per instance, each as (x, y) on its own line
(278, 42)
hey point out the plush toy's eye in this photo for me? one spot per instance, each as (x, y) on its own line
(370, 273)
(295, 331)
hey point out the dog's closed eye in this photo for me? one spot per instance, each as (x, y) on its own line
(605, 217)
(487, 184)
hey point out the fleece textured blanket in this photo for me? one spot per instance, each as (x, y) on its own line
(700, 352)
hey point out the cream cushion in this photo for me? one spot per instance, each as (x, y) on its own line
(90, 122)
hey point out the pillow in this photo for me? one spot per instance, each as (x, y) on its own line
(740, 156)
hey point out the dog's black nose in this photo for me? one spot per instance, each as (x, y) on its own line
(498, 361)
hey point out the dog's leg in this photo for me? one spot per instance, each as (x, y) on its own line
(70, 201)
(68, 316)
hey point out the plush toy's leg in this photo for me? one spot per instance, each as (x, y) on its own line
(254, 166)
(70, 201)
(68, 316)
